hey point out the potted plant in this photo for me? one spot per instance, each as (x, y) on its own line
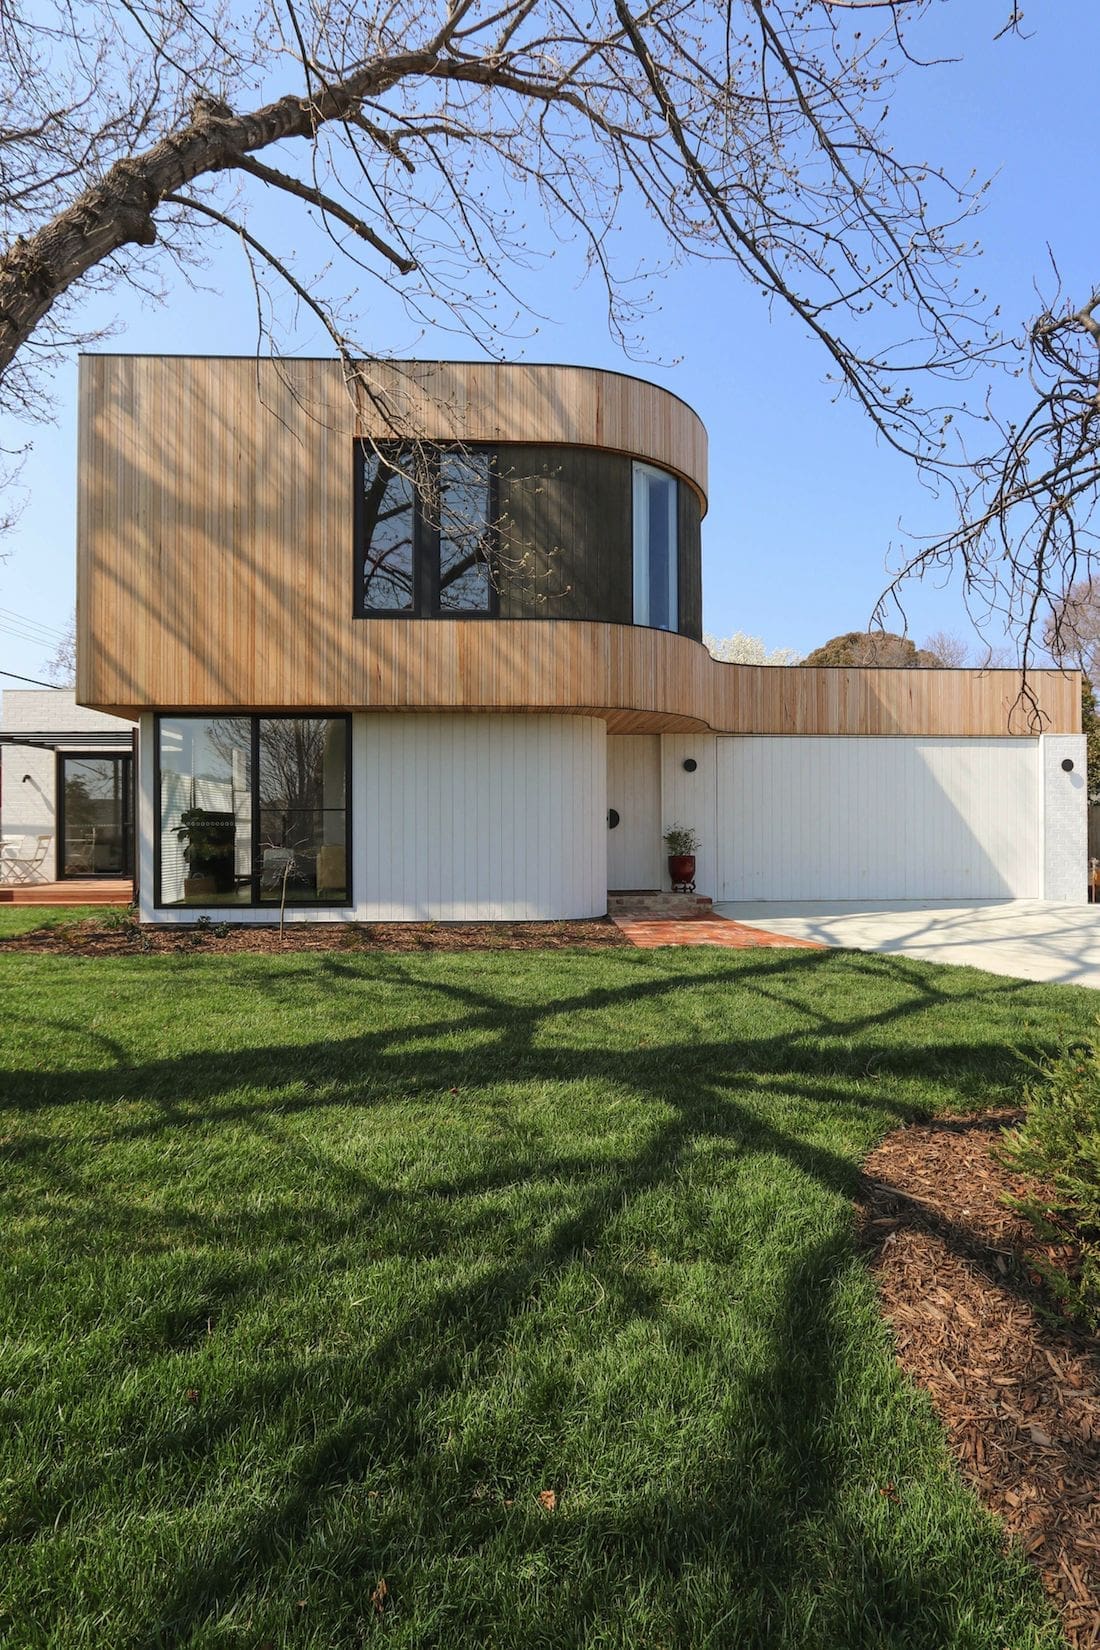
(682, 843)
(208, 840)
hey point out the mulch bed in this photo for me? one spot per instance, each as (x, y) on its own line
(1017, 1388)
(91, 937)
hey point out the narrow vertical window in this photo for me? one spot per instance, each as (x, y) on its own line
(655, 548)
(387, 516)
(465, 527)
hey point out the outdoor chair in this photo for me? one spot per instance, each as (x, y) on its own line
(24, 868)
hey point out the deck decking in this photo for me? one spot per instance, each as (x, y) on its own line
(73, 891)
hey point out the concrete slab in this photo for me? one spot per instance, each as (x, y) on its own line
(1030, 939)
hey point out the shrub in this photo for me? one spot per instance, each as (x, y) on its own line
(1059, 1144)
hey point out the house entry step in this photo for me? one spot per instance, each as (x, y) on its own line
(658, 904)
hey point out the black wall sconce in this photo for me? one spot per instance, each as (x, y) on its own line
(1067, 764)
(612, 818)
(690, 764)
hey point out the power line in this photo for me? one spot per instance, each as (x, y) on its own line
(30, 679)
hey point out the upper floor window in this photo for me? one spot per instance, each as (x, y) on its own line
(424, 531)
(655, 548)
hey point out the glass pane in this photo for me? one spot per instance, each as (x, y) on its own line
(387, 517)
(464, 532)
(302, 845)
(97, 816)
(206, 810)
(655, 548)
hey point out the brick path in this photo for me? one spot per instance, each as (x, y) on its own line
(649, 932)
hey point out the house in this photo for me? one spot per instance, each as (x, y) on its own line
(463, 678)
(66, 774)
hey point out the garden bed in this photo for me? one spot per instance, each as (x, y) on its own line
(93, 936)
(1017, 1388)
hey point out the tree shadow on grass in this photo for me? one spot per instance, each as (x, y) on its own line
(417, 1452)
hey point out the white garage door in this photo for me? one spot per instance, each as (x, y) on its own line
(838, 818)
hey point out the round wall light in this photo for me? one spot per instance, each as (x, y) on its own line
(1067, 764)
(690, 764)
(612, 818)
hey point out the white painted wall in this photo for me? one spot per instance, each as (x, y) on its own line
(879, 818)
(28, 806)
(481, 818)
(454, 818)
(635, 853)
(1065, 817)
(691, 799)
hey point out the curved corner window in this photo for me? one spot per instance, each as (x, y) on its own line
(655, 548)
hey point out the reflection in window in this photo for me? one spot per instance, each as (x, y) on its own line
(302, 809)
(387, 536)
(465, 526)
(655, 548)
(205, 810)
(230, 835)
(97, 808)
(426, 526)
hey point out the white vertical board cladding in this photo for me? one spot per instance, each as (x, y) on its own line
(691, 799)
(1065, 817)
(879, 818)
(635, 851)
(479, 818)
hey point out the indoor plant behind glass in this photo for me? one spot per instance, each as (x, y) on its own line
(208, 840)
(682, 843)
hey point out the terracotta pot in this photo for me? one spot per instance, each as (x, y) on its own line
(681, 870)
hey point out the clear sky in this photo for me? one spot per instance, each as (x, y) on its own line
(805, 504)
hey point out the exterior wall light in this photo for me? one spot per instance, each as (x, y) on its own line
(612, 818)
(690, 764)
(1067, 764)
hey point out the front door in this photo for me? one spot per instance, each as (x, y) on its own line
(634, 848)
(96, 814)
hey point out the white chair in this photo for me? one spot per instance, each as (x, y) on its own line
(9, 851)
(24, 868)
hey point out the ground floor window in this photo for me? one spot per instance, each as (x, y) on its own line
(253, 810)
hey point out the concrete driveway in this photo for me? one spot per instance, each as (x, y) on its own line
(1031, 939)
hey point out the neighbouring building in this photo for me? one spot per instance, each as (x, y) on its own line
(464, 678)
(66, 773)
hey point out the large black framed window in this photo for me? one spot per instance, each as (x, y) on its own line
(253, 811)
(425, 531)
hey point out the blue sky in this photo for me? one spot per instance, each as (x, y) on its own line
(805, 504)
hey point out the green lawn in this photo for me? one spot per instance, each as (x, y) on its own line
(321, 1267)
(24, 919)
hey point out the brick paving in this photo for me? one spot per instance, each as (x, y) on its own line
(648, 933)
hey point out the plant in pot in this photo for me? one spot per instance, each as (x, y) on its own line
(208, 840)
(682, 843)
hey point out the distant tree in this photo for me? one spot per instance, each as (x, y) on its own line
(1090, 727)
(872, 647)
(60, 667)
(742, 649)
(947, 649)
(1072, 632)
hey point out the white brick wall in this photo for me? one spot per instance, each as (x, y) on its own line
(27, 776)
(1065, 818)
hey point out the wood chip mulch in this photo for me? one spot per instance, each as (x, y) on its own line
(1018, 1389)
(91, 938)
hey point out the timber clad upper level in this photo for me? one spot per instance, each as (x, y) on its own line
(216, 558)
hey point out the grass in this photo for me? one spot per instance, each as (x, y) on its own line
(25, 919)
(321, 1268)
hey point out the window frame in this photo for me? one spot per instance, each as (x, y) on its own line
(640, 468)
(255, 717)
(425, 537)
